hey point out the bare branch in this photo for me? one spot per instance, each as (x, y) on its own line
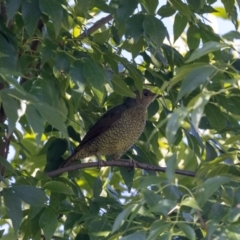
(117, 163)
(96, 26)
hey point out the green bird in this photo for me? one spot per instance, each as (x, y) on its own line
(116, 131)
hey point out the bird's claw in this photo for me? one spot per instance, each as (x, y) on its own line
(133, 164)
(100, 164)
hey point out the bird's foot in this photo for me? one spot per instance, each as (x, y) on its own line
(133, 164)
(100, 164)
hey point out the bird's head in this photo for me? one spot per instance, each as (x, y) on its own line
(145, 98)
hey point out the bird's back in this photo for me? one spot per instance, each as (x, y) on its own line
(119, 137)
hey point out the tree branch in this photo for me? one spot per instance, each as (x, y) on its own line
(96, 26)
(4, 142)
(117, 163)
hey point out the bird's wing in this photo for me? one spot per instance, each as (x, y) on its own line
(104, 123)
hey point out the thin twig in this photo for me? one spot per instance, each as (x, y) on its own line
(117, 163)
(96, 26)
(202, 223)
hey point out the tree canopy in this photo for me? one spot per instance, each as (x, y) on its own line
(63, 64)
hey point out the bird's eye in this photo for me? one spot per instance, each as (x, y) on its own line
(145, 94)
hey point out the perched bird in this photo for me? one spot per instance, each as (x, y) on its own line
(116, 131)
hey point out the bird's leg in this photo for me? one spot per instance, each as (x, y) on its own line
(131, 161)
(100, 162)
(134, 163)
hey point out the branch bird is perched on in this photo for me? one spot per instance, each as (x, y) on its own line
(116, 131)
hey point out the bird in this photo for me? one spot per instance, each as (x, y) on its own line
(116, 131)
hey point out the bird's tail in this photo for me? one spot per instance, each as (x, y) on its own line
(69, 160)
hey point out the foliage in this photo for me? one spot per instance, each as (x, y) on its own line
(63, 64)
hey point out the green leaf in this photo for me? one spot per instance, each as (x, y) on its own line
(234, 214)
(82, 6)
(205, 49)
(171, 166)
(76, 73)
(11, 107)
(195, 78)
(210, 152)
(96, 78)
(153, 109)
(182, 8)
(197, 104)
(137, 48)
(151, 198)
(193, 37)
(30, 194)
(180, 23)
(125, 9)
(12, 6)
(2, 232)
(208, 34)
(166, 10)
(158, 59)
(48, 222)
(229, 5)
(102, 37)
(56, 149)
(54, 10)
(232, 35)
(34, 119)
(182, 72)
(191, 202)
(58, 187)
(163, 207)
(31, 14)
(134, 73)
(188, 230)
(120, 87)
(172, 55)
(145, 181)
(51, 115)
(122, 217)
(134, 27)
(196, 5)
(215, 116)
(97, 187)
(43, 90)
(7, 165)
(140, 235)
(194, 143)
(48, 50)
(9, 50)
(158, 227)
(61, 64)
(155, 29)
(174, 123)
(150, 6)
(232, 139)
(99, 228)
(209, 187)
(230, 104)
(127, 176)
(13, 207)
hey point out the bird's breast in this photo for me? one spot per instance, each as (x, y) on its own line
(130, 126)
(122, 134)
